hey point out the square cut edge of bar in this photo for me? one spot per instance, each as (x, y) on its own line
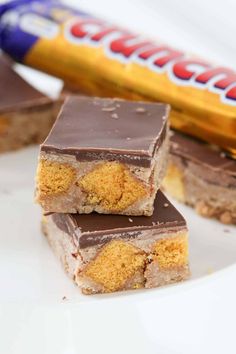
(109, 253)
(104, 155)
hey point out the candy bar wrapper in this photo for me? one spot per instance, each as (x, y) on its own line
(101, 59)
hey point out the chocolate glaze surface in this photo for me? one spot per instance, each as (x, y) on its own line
(112, 129)
(201, 153)
(94, 229)
(14, 91)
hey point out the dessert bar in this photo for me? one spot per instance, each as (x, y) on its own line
(203, 177)
(108, 253)
(104, 155)
(26, 115)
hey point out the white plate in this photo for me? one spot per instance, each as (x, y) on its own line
(197, 316)
(33, 284)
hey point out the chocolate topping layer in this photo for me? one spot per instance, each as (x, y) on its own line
(111, 129)
(94, 229)
(201, 153)
(14, 91)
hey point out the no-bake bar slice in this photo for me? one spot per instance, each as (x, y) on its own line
(203, 177)
(108, 253)
(26, 115)
(104, 155)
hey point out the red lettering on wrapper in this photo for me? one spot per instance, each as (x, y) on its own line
(184, 69)
(228, 77)
(79, 29)
(168, 55)
(231, 94)
(130, 48)
(100, 35)
(127, 45)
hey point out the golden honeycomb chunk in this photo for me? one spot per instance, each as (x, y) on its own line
(112, 186)
(116, 263)
(54, 178)
(173, 183)
(171, 252)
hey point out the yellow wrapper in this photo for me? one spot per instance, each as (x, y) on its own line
(100, 59)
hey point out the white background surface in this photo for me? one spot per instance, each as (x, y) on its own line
(197, 316)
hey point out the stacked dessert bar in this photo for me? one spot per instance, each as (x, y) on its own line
(98, 180)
